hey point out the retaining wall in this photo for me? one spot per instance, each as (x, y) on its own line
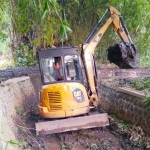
(126, 104)
(18, 95)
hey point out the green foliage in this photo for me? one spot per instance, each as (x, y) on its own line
(7, 84)
(2, 85)
(36, 22)
(124, 126)
(11, 142)
(31, 24)
(15, 143)
(93, 146)
(63, 146)
(134, 133)
(102, 145)
(25, 58)
(4, 27)
(64, 27)
(43, 17)
(145, 60)
(143, 85)
(147, 101)
(18, 110)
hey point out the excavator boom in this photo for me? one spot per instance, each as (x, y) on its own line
(124, 54)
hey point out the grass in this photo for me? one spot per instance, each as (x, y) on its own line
(14, 143)
(18, 110)
(103, 145)
(6, 84)
(135, 134)
(143, 85)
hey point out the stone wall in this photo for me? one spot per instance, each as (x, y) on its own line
(115, 73)
(18, 95)
(125, 104)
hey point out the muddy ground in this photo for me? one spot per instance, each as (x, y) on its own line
(105, 138)
(102, 138)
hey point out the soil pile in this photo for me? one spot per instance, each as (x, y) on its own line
(124, 55)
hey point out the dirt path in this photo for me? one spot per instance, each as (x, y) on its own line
(104, 138)
(89, 139)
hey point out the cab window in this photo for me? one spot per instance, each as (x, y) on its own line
(52, 69)
(72, 69)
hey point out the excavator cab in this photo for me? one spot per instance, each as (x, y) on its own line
(68, 60)
(63, 93)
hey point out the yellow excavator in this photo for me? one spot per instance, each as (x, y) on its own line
(70, 81)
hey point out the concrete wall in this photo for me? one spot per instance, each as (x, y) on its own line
(18, 95)
(126, 104)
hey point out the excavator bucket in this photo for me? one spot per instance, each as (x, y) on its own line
(71, 124)
(124, 55)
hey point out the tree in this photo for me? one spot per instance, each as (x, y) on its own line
(35, 23)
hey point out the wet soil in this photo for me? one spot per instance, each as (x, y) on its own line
(124, 55)
(102, 138)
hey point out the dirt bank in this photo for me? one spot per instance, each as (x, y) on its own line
(104, 138)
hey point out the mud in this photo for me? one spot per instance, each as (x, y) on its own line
(101, 138)
(124, 55)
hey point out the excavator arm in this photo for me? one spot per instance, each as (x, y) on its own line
(95, 36)
(126, 57)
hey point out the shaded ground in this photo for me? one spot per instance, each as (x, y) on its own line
(104, 138)
(89, 139)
